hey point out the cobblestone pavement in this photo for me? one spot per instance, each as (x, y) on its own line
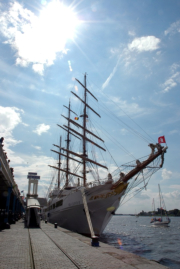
(104, 257)
(14, 247)
(15, 251)
(46, 254)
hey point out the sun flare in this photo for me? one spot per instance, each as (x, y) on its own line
(38, 39)
(58, 20)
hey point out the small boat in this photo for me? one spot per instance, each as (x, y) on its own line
(136, 214)
(33, 213)
(33, 206)
(160, 221)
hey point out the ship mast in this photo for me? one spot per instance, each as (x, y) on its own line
(160, 200)
(67, 143)
(84, 134)
(67, 129)
(84, 156)
(59, 164)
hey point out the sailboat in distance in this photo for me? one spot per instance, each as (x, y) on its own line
(87, 199)
(161, 221)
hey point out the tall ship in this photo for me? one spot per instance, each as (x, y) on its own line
(87, 193)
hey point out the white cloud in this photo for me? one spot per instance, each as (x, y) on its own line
(174, 67)
(124, 131)
(175, 195)
(158, 52)
(174, 28)
(129, 108)
(166, 174)
(21, 62)
(36, 147)
(144, 43)
(142, 196)
(32, 163)
(25, 124)
(128, 55)
(32, 87)
(37, 40)
(174, 132)
(39, 68)
(49, 92)
(131, 33)
(15, 160)
(177, 187)
(171, 82)
(114, 51)
(41, 128)
(10, 118)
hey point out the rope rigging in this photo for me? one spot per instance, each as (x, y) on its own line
(116, 105)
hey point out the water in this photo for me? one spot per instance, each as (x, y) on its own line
(136, 235)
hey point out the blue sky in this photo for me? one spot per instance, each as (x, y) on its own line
(131, 53)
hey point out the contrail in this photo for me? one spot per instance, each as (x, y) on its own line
(105, 84)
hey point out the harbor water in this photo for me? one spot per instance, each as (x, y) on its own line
(138, 236)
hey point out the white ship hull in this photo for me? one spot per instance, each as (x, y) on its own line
(102, 203)
(160, 223)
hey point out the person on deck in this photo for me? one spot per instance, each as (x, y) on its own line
(1, 141)
(122, 176)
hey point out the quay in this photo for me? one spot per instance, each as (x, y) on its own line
(57, 248)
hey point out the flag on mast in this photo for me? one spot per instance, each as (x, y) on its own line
(161, 139)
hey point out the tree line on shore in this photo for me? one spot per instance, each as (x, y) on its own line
(174, 212)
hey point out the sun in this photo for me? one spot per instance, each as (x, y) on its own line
(41, 38)
(59, 20)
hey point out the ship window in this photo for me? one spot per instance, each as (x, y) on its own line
(59, 203)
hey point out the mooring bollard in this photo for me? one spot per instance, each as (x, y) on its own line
(55, 225)
(95, 241)
(45, 221)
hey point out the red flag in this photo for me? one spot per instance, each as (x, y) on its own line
(161, 139)
(76, 118)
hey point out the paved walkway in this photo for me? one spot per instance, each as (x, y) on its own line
(78, 253)
(14, 247)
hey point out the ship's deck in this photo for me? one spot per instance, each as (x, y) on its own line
(48, 247)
